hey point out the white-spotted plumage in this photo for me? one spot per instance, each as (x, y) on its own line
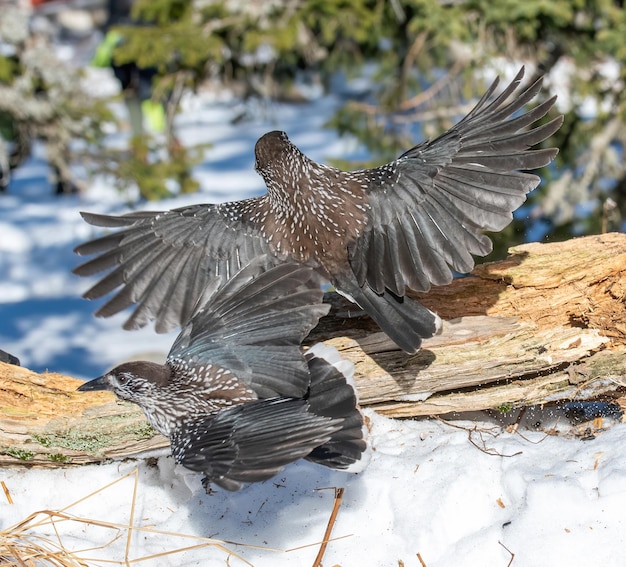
(236, 395)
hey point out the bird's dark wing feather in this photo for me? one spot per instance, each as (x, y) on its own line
(254, 325)
(429, 208)
(251, 442)
(168, 263)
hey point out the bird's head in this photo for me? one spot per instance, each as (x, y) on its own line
(132, 381)
(272, 149)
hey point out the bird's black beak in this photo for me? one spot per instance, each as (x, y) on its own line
(94, 385)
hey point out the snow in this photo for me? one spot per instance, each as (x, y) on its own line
(427, 490)
(434, 493)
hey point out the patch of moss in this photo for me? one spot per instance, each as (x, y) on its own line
(59, 458)
(21, 454)
(142, 430)
(43, 440)
(74, 440)
(95, 440)
(504, 408)
(608, 365)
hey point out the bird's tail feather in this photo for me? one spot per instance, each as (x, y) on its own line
(405, 321)
(332, 394)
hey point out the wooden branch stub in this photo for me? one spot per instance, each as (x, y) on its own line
(547, 324)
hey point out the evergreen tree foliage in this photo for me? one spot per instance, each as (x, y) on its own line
(41, 97)
(429, 58)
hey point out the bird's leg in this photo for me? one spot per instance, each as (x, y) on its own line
(206, 484)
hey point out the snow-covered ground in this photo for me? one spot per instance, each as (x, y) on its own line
(429, 496)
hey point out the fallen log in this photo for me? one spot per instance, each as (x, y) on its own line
(547, 324)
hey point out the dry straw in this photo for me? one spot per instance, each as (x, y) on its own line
(42, 539)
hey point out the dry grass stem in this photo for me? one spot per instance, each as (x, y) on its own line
(482, 446)
(493, 432)
(480, 432)
(6, 492)
(329, 526)
(509, 551)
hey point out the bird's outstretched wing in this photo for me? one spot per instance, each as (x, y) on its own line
(253, 326)
(251, 442)
(169, 262)
(429, 208)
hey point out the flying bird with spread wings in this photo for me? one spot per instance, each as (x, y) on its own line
(373, 233)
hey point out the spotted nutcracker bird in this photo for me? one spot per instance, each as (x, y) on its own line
(373, 232)
(237, 396)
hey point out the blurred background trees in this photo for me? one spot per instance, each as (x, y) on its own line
(424, 61)
(41, 97)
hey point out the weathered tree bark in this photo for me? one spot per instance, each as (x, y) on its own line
(547, 324)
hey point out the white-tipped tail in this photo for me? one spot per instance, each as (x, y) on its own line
(332, 393)
(331, 355)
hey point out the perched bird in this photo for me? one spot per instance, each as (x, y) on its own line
(237, 396)
(373, 233)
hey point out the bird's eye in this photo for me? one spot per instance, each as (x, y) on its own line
(122, 378)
